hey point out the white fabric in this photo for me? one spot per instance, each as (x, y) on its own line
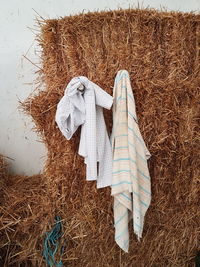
(82, 104)
(131, 186)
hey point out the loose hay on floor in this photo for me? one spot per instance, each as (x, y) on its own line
(25, 215)
(161, 51)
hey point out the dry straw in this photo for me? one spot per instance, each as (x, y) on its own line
(161, 51)
(24, 216)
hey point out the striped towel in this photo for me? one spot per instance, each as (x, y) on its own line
(131, 185)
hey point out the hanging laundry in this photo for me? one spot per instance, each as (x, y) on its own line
(131, 186)
(82, 104)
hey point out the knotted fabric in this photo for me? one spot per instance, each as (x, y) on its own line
(82, 104)
(131, 186)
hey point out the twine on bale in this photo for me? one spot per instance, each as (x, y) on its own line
(51, 244)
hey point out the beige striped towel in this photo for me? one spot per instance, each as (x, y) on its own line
(131, 186)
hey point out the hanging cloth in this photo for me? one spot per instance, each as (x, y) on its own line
(131, 186)
(82, 104)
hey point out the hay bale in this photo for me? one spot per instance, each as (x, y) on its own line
(2, 166)
(3, 175)
(161, 52)
(25, 214)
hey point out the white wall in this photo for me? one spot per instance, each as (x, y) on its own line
(17, 140)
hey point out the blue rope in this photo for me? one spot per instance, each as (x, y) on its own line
(51, 244)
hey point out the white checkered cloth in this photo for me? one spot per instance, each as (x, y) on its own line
(131, 185)
(82, 104)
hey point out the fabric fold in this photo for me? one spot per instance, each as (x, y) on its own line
(131, 185)
(82, 105)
